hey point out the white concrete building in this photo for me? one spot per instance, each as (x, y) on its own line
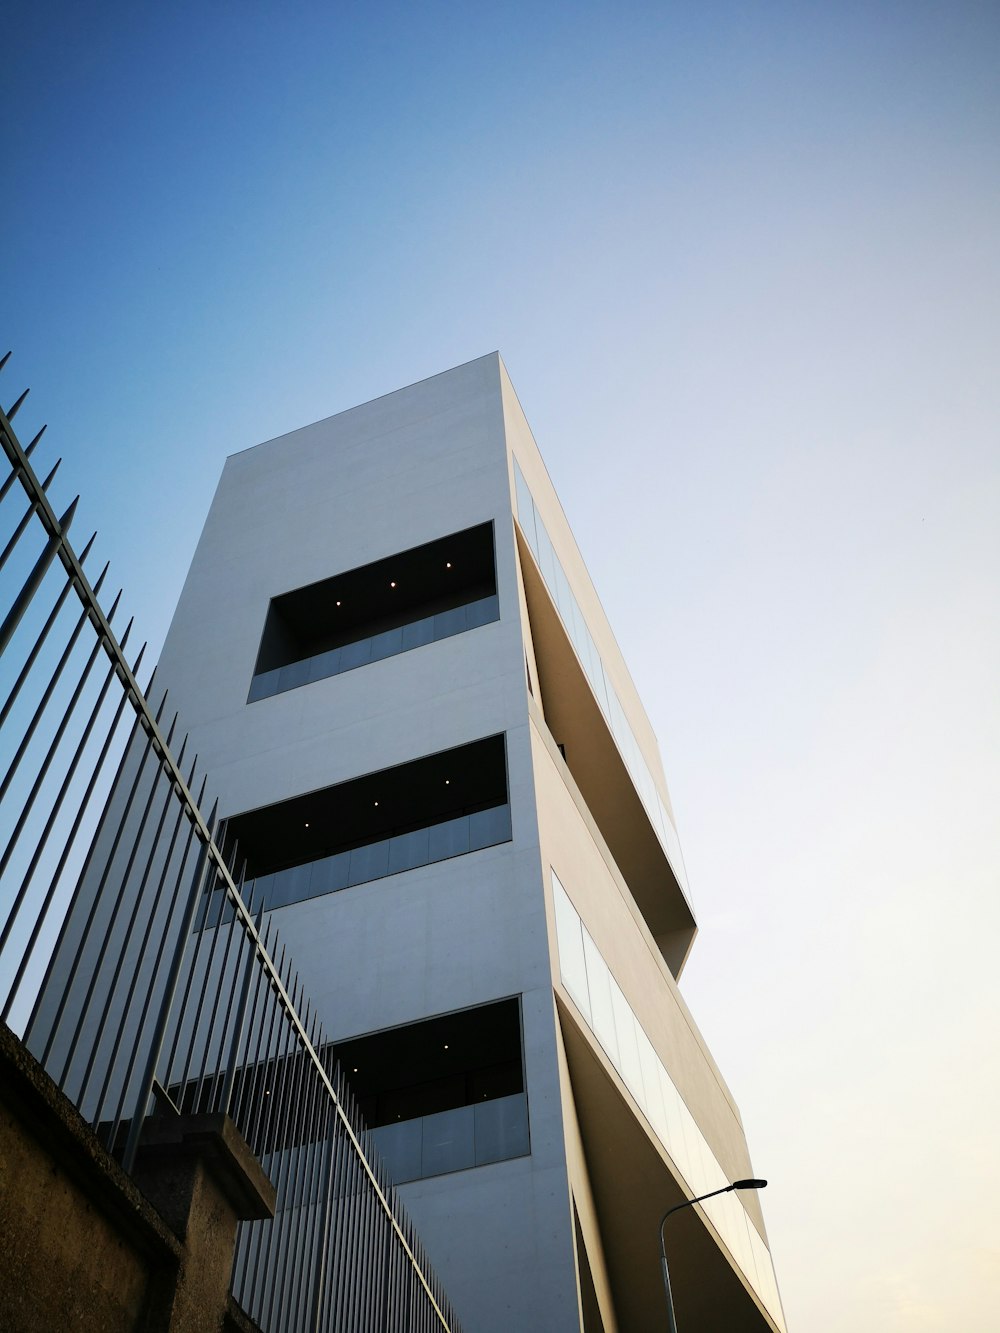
(422, 732)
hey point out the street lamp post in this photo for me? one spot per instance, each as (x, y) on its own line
(736, 1185)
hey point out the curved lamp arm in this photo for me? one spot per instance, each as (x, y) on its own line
(736, 1185)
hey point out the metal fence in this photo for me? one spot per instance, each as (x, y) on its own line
(136, 964)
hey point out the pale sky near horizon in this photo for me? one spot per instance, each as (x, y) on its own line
(741, 261)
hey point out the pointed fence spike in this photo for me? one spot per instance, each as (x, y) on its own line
(13, 411)
(30, 449)
(128, 630)
(48, 480)
(67, 518)
(4, 359)
(86, 550)
(114, 607)
(101, 578)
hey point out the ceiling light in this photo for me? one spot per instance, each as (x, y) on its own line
(338, 603)
(447, 564)
(446, 1045)
(307, 823)
(392, 585)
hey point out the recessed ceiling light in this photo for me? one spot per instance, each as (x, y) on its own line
(392, 585)
(447, 564)
(446, 1045)
(307, 823)
(354, 1070)
(447, 782)
(338, 603)
(376, 802)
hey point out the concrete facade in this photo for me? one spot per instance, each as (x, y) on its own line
(552, 1240)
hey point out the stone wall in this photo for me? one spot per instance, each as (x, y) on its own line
(83, 1249)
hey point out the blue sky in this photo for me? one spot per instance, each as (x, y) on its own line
(741, 261)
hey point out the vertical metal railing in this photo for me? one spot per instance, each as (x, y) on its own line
(136, 964)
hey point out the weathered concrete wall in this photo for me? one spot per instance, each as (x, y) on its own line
(82, 1249)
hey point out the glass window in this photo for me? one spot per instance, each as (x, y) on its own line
(737, 1237)
(650, 1064)
(292, 676)
(569, 937)
(619, 724)
(292, 885)
(525, 508)
(450, 622)
(578, 630)
(368, 862)
(563, 596)
(387, 644)
(488, 827)
(400, 1148)
(701, 1158)
(355, 654)
(547, 559)
(324, 665)
(419, 632)
(599, 989)
(449, 839)
(263, 686)
(448, 1141)
(483, 612)
(674, 1142)
(501, 1129)
(595, 672)
(408, 850)
(330, 874)
(628, 1050)
(259, 890)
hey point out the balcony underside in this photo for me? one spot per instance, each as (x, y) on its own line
(633, 1187)
(580, 728)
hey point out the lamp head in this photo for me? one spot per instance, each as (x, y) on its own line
(749, 1184)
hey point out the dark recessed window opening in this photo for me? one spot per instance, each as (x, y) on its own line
(414, 814)
(440, 1095)
(419, 596)
(444, 1094)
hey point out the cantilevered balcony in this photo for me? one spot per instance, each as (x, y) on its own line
(658, 1126)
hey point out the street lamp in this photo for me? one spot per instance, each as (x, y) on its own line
(736, 1185)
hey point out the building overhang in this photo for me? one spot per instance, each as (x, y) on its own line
(634, 1182)
(577, 724)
